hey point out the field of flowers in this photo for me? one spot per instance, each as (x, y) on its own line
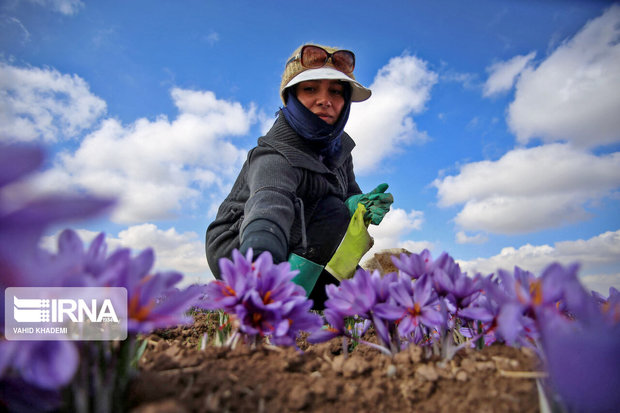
(425, 336)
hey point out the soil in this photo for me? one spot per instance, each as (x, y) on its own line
(175, 375)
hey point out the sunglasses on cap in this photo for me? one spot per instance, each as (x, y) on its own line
(314, 57)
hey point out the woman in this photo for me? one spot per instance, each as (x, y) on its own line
(296, 192)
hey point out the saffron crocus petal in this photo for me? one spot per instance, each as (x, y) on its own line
(334, 328)
(414, 265)
(334, 319)
(8, 349)
(509, 323)
(476, 313)
(45, 211)
(17, 161)
(553, 279)
(94, 260)
(323, 335)
(303, 320)
(399, 292)
(406, 326)
(281, 328)
(49, 364)
(142, 264)
(443, 283)
(69, 243)
(381, 327)
(582, 360)
(389, 311)
(432, 318)
(507, 282)
(422, 290)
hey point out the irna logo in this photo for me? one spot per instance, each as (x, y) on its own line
(28, 310)
(65, 313)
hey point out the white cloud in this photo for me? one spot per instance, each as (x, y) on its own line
(601, 282)
(502, 75)
(12, 28)
(68, 7)
(573, 94)
(529, 189)
(395, 225)
(417, 246)
(43, 104)
(598, 256)
(157, 167)
(211, 38)
(383, 125)
(463, 238)
(182, 252)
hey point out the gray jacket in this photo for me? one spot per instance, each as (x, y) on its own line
(282, 181)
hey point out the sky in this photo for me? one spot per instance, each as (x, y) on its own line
(495, 123)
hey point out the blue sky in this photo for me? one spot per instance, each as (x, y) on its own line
(494, 122)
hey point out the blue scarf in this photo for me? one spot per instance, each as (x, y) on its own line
(323, 137)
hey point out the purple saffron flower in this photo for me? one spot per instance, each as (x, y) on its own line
(153, 300)
(334, 328)
(255, 318)
(582, 358)
(414, 265)
(296, 317)
(262, 297)
(611, 306)
(459, 289)
(522, 298)
(238, 277)
(23, 221)
(273, 281)
(17, 161)
(47, 365)
(416, 306)
(354, 296)
(483, 311)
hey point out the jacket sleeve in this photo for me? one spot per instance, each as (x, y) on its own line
(353, 188)
(270, 209)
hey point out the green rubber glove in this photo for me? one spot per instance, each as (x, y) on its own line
(376, 202)
(308, 272)
(356, 242)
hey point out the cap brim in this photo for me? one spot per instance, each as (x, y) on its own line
(358, 92)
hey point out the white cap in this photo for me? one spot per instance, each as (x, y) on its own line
(358, 92)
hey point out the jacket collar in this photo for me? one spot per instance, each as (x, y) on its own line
(296, 150)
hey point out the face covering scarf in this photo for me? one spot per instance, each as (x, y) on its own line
(323, 137)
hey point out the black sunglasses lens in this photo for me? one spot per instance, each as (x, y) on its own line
(344, 60)
(313, 57)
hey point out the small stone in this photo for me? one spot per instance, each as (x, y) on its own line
(427, 372)
(461, 375)
(391, 371)
(354, 366)
(468, 365)
(299, 397)
(338, 363)
(402, 357)
(485, 365)
(415, 353)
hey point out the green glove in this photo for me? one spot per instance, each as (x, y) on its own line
(376, 202)
(356, 242)
(308, 272)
